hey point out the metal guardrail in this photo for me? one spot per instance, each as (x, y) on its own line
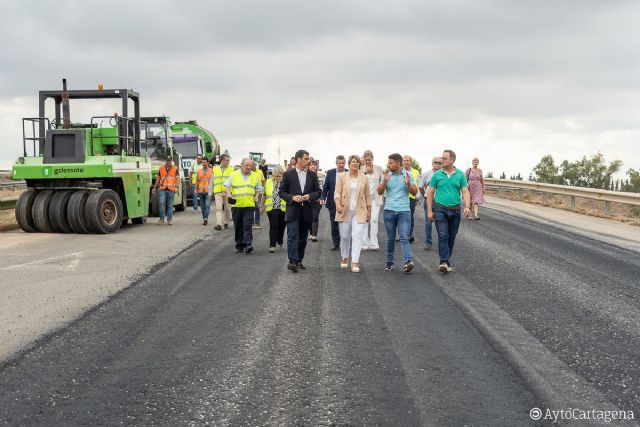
(12, 185)
(8, 203)
(606, 196)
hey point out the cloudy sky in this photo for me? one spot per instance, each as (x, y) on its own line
(507, 81)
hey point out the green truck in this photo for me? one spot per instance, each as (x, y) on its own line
(83, 177)
(157, 142)
(191, 139)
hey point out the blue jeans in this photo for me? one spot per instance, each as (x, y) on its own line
(205, 203)
(256, 213)
(195, 198)
(400, 222)
(297, 232)
(447, 224)
(427, 226)
(165, 204)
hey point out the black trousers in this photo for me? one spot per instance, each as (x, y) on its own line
(276, 227)
(335, 231)
(316, 218)
(242, 223)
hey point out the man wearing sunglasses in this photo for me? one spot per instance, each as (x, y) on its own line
(423, 186)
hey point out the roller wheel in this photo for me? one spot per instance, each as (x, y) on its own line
(153, 203)
(24, 207)
(40, 211)
(75, 212)
(181, 207)
(103, 211)
(58, 212)
(139, 220)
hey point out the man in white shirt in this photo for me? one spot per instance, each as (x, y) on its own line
(436, 164)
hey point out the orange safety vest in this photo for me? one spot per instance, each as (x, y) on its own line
(169, 180)
(204, 180)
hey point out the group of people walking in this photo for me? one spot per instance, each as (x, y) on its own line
(354, 193)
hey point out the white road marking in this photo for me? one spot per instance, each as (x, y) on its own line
(67, 262)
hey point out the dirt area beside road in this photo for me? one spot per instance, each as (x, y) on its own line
(619, 211)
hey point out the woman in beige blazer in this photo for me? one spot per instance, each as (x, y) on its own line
(353, 211)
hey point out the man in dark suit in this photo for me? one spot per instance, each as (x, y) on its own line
(326, 198)
(299, 188)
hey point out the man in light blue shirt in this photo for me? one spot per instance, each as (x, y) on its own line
(398, 184)
(423, 186)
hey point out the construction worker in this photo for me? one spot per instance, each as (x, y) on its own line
(407, 162)
(167, 182)
(243, 188)
(195, 167)
(275, 208)
(256, 214)
(221, 174)
(202, 189)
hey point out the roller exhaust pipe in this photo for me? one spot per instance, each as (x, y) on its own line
(66, 116)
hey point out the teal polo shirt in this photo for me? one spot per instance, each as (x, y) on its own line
(397, 193)
(448, 187)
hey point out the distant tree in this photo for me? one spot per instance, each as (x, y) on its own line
(489, 175)
(503, 176)
(589, 172)
(546, 171)
(516, 177)
(634, 181)
(617, 186)
(416, 165)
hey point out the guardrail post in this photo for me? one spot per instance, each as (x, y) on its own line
(520, 195)
(499, 192)
(545, 198)
(607, 208)
(573, 202)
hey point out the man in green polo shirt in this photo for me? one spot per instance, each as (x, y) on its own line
(447, 184)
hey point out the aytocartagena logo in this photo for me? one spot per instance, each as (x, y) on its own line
(48, 171)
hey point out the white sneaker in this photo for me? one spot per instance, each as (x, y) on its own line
(344, 263)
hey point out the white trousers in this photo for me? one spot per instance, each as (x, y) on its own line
(223, 209)
(370, 235)
(351, 237)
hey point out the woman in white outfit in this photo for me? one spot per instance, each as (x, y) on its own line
(353, 212)
(374, 174)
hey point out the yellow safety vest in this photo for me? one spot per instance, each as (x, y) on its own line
(416, 176)
(204, 180)
(197, 167)
(244, 191)
(268, 203)
(220, 177)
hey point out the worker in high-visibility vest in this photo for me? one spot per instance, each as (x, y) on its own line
(167, 183)
(275, 207)
(256, 214)
(202, 189)
(195, 167)
(407, 161)
(243, 188)
(221, 173)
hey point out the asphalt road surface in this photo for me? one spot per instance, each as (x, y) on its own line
(533, 316)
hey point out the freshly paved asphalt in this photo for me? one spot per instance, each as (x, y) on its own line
(215, 337)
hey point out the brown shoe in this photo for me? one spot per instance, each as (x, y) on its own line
(160, 221)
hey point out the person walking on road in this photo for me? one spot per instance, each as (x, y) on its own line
(221, 174)
(327, 200)
(300, 189)
(476, 187)
(275, 208)
(443, 206)
(202, 189)
(243, 188)
(195, 167)
(398, 184)
(261, 177)
(317, 207)
(374, 174)
(407, 163)
(167, 182)
(423, 186)
(353, 212)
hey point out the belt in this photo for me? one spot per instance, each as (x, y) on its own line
(453, 208)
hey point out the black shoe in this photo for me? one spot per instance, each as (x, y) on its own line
(408, 267)
(301, 266)
(411, 239)
(291, 266)
(335, 247)
(248, 249)
(217, 228)
(239, 250)
(205, 221)
(226, 226)
(427, 246)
